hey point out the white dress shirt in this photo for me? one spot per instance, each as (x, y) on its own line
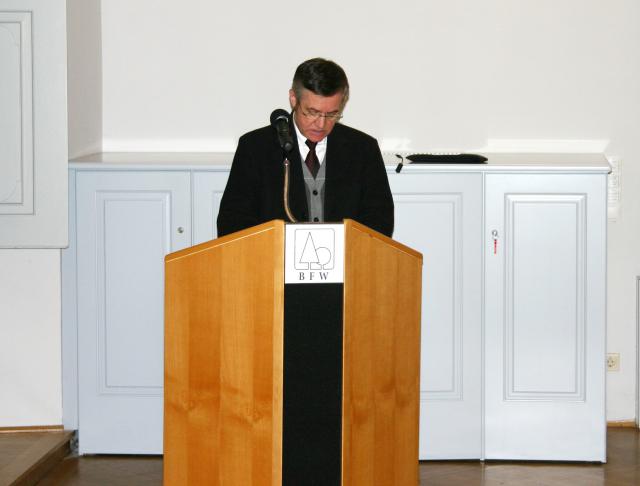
(321, 148)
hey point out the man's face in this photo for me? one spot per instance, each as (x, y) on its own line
(309, 106)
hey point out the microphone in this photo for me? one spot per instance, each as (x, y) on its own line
(280, 121)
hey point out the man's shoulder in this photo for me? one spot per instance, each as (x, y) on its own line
(259, 135)
(352, 134)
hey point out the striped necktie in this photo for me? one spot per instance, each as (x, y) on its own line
(312, 159)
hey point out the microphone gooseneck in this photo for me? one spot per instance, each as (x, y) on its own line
(285, 192)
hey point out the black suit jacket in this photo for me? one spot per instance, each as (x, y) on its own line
(356, 184)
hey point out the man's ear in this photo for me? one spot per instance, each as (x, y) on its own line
(293, 101)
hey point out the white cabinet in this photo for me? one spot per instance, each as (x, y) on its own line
(440, 215)
(126, 223)
(513, 305)
(545, 316)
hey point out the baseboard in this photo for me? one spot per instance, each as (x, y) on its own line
(31, 428)
(622, 423)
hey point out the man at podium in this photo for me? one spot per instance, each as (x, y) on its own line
(336, 172)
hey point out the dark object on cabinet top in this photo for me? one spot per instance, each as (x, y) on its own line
(442, 159)
(447, 159)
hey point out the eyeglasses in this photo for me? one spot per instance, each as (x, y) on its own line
(314, 115)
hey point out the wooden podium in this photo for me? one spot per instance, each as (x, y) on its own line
(297, 384)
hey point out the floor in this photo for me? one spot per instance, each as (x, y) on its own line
(106, 470)
(622, 468)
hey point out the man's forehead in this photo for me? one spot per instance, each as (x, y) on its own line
(321, 103)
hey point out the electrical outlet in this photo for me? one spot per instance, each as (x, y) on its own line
(613, 362)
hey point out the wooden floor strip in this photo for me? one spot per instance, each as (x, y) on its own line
(25, 457)
(622, 423)
(31, 428)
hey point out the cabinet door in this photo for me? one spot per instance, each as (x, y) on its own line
(208, 188)
(126, 223)
(545, 316)
(440, 215)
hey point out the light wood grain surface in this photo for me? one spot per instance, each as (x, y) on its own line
(223, 360)
(381, 360)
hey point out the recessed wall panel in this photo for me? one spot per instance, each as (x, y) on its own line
(16, 117)
(33, 124)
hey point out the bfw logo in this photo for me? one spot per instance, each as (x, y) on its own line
(314, 249)
(314, 253)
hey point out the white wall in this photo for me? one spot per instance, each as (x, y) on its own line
(198, 76)
(438, 74)
(425, 75)
(429, 75)
(84, 76)
(30, 360)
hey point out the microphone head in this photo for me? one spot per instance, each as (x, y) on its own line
(277, 115)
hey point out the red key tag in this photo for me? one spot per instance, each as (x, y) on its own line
(494, 233)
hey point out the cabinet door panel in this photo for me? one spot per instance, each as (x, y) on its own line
(440, 215)
(127, 223)
(208, 188)
(545, 325)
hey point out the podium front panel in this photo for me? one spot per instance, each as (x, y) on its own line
(223, 361)
(312, 401)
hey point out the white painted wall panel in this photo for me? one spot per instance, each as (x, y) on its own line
(16, 122)
(33, 124)
(33, 208)
(30, 369)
